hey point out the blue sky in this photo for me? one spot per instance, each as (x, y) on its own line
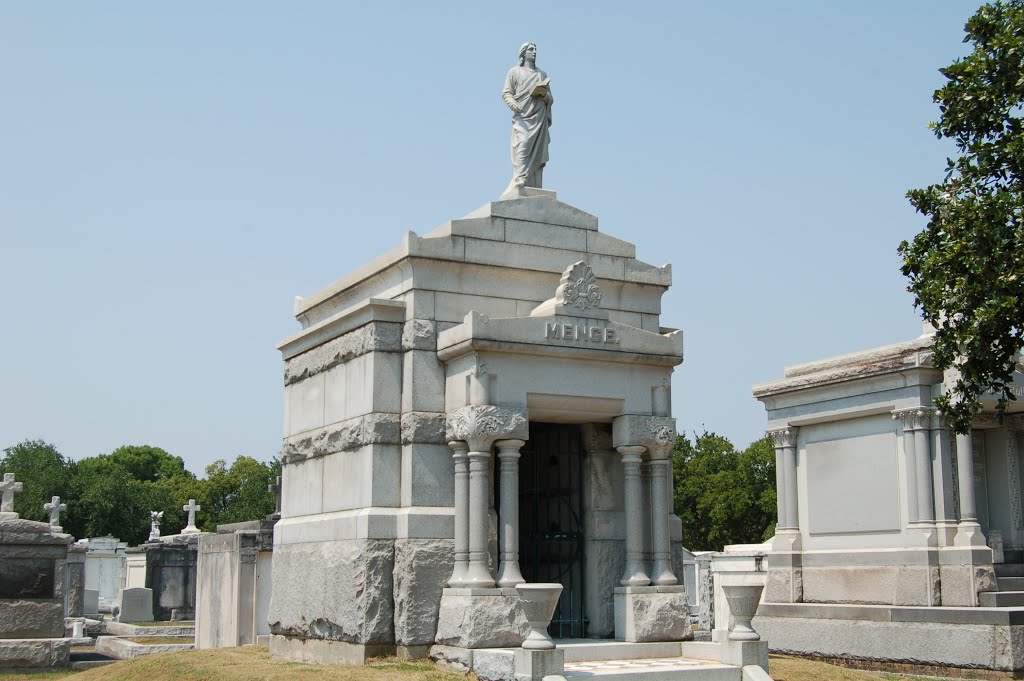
(173, 174)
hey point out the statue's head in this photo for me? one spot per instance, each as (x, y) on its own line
(523, 49)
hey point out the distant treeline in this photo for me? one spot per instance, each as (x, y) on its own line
(112, 494)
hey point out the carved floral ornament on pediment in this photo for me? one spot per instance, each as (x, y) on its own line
(578, 287)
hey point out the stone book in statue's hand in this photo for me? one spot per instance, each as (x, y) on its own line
(541, 89)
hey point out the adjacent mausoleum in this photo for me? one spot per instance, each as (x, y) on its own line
(898, 541)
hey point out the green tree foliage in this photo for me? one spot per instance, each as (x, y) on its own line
(966, 268)
(239, 493)
(148, 463)
(112, 494)
(724, 496)
(44, 472)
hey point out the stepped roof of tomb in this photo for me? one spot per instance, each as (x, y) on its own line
(21, 531)
(914, 354)
(534, 232)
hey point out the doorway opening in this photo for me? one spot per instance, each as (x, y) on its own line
(551, 520)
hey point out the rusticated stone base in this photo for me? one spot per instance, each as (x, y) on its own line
(319, 651)
(422, 566)
(337, 591)
(481, 618)
(651, 613)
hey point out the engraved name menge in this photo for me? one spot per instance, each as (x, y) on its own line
(580, 332)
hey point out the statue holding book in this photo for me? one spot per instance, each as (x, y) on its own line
(528, 93)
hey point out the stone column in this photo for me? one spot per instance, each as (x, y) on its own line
(907, 420)
(508, 516)
(969, 530)
(660, 449)
(461, 458)
(479, 426)
(923, 451)
(634, 575)
(478, 573)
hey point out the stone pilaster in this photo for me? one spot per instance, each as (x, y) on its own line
(907, 419)
(969, 529)
(784, 440)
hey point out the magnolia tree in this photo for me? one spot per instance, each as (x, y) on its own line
(966, 268)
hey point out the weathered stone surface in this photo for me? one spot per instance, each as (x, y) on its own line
(34, 653)
(606, 561)
(419, 334)
(481, 621)
(27, 578)
(21, 531)
(374, 336)
(423, 426)
(381, 428)
(340, 591)
(705, 595)
(31, 619)
(422, 567)
(453, 658)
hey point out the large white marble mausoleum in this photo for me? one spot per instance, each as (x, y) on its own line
(484, 405)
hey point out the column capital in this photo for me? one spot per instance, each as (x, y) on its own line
(657, 434)
(783, 437)
(480, 425)
(915, 418)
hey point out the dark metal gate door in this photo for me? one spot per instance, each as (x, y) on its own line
(551, 519)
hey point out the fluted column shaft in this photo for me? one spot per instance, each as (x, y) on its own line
(461, 459)
(508, 515)
(631, 459)
(907, 417)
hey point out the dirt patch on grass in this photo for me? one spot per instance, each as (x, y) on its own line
(784, 668)
(254, 663)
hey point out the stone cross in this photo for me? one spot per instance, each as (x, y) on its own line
(9, 487)
(55, 508)
(154, 528)
(191, 507)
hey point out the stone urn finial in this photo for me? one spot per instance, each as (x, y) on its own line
(743, 600)
(539, 602)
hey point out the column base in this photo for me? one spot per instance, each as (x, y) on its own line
(645, 614)
(481, 618)
(969, 534)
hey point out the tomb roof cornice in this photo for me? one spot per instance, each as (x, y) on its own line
(911, 356)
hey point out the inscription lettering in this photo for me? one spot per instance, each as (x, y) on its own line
(573, 332)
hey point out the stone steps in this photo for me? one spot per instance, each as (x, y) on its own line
(1001, 599)
(1010, 583)
(1009, 570)
(621, 661)
(652, 669)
